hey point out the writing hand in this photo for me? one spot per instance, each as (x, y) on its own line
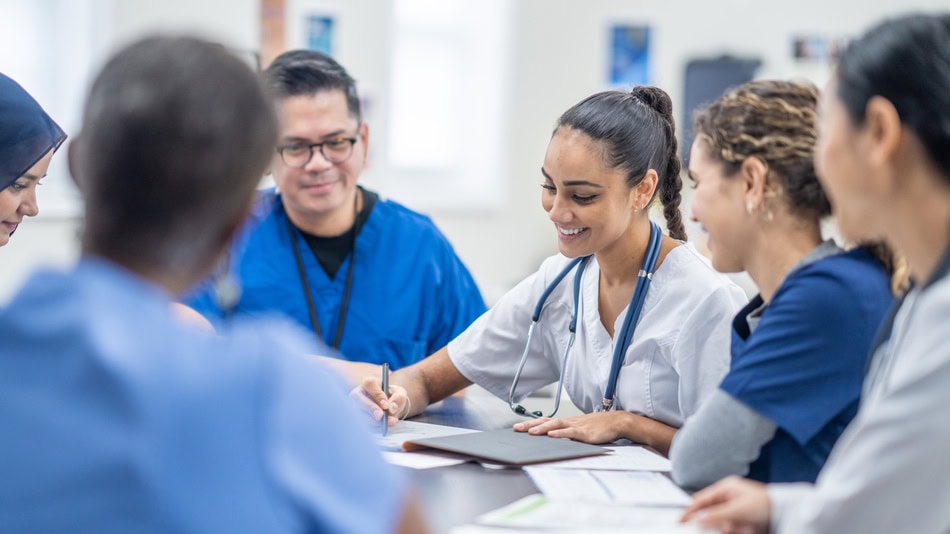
(369, 394)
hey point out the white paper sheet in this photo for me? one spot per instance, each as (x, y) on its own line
(540, 512)
(482, 529)
(623, 458)
(423, 460)
(630, 487)
(485, 529)
(412, 430)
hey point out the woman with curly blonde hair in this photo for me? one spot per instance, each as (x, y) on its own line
(799, 348)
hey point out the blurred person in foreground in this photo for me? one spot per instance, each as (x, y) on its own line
(117, 416)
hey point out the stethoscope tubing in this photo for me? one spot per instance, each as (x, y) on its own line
(581, 265)
(644, 277)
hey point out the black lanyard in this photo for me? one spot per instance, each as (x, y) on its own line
(305, 283)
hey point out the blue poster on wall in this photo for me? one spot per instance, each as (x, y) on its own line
(320, 33)
(629, 61)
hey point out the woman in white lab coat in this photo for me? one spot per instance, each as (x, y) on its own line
(610, 156)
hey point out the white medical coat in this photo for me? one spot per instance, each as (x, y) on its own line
(677, 357)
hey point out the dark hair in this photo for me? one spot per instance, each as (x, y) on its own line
(776, 122)
(305, 72)
(638, 134)
(175, 137)
(907, 61)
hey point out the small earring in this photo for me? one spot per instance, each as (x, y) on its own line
(748, 207)
(768, 216)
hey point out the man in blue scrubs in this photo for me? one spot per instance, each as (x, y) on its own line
(119, 417)
(367, 275)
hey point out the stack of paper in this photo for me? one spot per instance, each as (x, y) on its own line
(411, 430)
(423, 460)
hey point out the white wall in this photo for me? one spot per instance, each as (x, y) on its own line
(560, 57)
(557, 57)
(233, 22)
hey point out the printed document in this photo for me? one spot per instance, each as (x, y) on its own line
(629, 487)
(540, 512)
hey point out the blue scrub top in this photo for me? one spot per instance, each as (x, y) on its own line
(804, 364)
(116, 417)
(410, 296)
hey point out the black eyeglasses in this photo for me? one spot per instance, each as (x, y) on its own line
(336, 150)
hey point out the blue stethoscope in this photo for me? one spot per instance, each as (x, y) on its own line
(644, 278)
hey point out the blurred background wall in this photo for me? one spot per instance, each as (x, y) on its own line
(460, 95)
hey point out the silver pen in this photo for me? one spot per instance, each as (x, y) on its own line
(386, 391)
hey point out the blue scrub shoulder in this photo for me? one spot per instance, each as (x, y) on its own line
(803, 366)
(109, 359)
(411, 294)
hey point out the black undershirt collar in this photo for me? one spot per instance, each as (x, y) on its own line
(331, 252)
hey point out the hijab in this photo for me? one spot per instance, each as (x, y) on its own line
(27, 133)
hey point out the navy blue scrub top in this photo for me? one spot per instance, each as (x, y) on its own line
(804, 364)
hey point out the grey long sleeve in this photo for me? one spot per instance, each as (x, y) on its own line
(723, 438)
(888, 471)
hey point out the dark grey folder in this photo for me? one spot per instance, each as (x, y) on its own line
(508, 447)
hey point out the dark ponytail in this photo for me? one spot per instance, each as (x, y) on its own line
(637, 131)
(671, 183)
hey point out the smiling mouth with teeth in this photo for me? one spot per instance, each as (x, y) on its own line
(570, 231)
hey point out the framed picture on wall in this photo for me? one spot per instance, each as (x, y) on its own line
(314, 25)
(628, 61)
(818, 48)
(813, 56)
(319, 33)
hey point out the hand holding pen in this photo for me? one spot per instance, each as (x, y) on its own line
(385, 418)
(388, 409)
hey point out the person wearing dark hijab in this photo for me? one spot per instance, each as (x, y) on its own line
(28, 139)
